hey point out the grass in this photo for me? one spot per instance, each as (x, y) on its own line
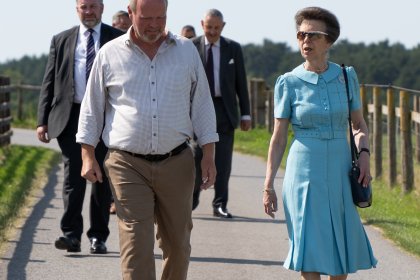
(395, 213)
(22, 170)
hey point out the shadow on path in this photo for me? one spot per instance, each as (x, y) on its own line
(239, 219)
(21, 256)
(229, 261)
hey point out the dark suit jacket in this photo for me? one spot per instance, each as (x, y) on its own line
(232, 76)
(58, 87)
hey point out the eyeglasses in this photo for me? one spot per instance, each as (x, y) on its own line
(312, 35)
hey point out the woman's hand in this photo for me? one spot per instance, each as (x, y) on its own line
(364, 165)
(270, 201)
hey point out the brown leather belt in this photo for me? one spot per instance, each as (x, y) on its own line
(172, 153)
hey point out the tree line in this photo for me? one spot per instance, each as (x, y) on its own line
(376, 63)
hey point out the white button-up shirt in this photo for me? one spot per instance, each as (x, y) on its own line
(151, 106)
(80, 59)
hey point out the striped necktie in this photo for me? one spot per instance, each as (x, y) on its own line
(90, 53)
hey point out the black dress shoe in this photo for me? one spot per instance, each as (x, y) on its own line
(70, 244)
(97, 246)
(196, 198)
(221, 213)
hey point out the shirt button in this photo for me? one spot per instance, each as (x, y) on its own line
(153, 99)
(154, 117)
(153, 83)
(154, 134)
(152, 66)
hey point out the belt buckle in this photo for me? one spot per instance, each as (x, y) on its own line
(325, 135)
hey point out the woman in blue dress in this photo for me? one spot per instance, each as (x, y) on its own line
(326, 235)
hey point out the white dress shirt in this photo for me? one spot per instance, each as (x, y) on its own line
(151, 106)
(80, 59)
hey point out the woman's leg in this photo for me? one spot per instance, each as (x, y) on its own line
(338, 277)
(310, 276)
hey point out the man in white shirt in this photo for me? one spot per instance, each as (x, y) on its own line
(148, 96)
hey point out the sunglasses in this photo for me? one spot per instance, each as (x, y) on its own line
(312, 35)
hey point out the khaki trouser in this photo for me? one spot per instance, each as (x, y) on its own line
(153, 192)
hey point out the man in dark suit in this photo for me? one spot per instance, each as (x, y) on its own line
(225, 71)
(66, 74)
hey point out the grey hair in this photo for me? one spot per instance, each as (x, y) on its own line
(119, 14)
(214, 13)
(133, 4)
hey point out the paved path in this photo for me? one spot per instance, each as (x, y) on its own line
(249, 247)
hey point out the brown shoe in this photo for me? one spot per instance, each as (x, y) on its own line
(112, 209)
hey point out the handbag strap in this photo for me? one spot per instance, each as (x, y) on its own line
(354, 155)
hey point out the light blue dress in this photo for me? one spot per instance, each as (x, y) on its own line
(324, 227)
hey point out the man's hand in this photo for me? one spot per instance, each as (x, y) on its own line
(90, 168)
(42, 133)
(208, 167)
(245, 125)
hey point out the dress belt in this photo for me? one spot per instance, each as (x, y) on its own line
(320, 134)
(151, 157)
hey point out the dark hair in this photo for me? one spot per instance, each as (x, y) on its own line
(317, 13)
(189, 28)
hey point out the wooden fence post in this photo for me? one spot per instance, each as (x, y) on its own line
(392, 151)
(19, 93)
(258, 98)
(377, 131)
(363, 97)
(416, 108)
(406, 146)
(5, 116)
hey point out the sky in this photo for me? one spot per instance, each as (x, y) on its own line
(26, 27)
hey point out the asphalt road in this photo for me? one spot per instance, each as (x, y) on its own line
(251, 246)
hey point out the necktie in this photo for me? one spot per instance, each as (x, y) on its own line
(210, 69)
(90, 53)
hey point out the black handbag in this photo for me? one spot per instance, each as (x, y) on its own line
(362, 196)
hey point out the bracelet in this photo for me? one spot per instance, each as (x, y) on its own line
(364, 150)
(271, 190)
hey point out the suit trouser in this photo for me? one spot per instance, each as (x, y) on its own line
(74, 186)
(223, 158)
(152, 192)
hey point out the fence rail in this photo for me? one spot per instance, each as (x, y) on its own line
(392, 114)
(5, 110)
(393, 120)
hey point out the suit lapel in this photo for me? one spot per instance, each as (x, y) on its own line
(103, 37)
(202, 50)
(223, 59)
(73, 43)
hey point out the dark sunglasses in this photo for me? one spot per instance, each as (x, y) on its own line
(312, 35)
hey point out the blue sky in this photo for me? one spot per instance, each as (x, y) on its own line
(27, 27)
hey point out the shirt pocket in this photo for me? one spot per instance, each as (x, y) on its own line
(177, 78)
